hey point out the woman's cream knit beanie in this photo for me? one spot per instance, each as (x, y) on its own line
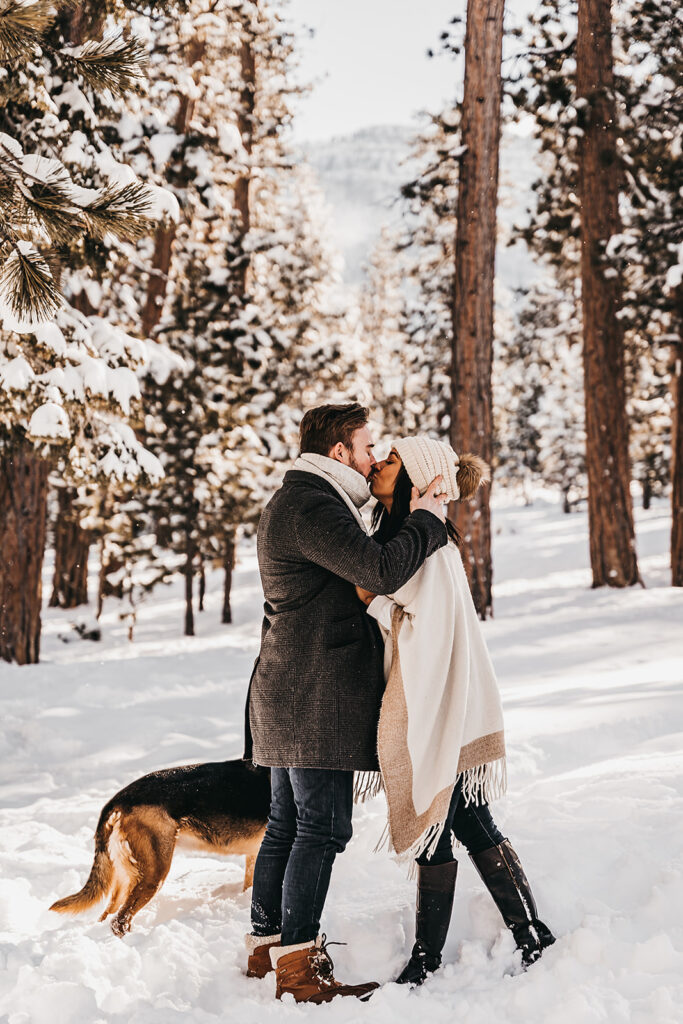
(425, 458)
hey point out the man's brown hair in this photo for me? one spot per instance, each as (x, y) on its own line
(325, 426)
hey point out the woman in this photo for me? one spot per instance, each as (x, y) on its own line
(440, 738)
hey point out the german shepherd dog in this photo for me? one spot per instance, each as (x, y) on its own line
(220, 807)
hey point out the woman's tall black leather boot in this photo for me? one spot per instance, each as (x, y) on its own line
(435, 892)
(504, 877)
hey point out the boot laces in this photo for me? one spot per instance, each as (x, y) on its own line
(322, 961)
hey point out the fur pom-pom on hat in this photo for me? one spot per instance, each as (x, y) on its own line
(473, 472)
(425, 458)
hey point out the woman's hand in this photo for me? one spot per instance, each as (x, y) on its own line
(366, 596)
(432, 500)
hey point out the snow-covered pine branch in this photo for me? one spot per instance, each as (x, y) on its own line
(68, 377)
(41, 203)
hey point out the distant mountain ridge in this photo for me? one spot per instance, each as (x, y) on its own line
(361, 176)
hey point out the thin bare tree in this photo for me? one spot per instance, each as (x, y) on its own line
(475, 246)
(677, 460)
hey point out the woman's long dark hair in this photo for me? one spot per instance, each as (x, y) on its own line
(387, 524)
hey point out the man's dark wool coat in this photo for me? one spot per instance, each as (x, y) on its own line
(317, 686)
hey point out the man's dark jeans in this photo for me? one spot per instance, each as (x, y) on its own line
(308, 825)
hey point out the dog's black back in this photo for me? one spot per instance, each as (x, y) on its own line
(235, 789)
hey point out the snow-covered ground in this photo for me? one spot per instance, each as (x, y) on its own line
(591, 684)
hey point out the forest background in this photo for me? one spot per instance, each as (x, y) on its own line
(195, 248)
(173, 297)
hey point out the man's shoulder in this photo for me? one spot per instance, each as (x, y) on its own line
(302, 493)
(299, 486)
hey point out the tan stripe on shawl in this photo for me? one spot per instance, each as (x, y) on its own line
(406, 828)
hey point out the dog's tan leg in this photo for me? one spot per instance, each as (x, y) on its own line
(250, 863)
(124, 875)
(137, 898)
(115, 901)
(151, 836)
(251, 855)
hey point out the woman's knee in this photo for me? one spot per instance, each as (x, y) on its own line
(474, 827)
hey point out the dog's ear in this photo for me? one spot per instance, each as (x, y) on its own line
(472, 473)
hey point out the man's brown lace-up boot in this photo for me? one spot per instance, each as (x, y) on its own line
(259, 947)
(307, 972)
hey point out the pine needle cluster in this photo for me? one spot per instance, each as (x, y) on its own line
(43, 211)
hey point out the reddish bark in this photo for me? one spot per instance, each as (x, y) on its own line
(228, 566)
(72, 544)
(189, 574)
(610, 512)
(245, 125)
(23, 514)
(677, 471)
(164, 237)
(475, 245)
(202, 585)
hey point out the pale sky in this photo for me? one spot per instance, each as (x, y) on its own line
(369, 64)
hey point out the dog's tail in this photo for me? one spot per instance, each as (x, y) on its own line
(100, 878)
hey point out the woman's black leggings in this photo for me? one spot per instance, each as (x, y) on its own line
(472, 825)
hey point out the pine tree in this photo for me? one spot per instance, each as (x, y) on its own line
(646, 65)
(130, 557)
(539, 417)
(40, 200)
(650, 41)
(67, 380)
(429, 246)
(71, 544)
(386, 343)
(406, 304)
(246, 293)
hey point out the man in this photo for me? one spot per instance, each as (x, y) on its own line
(317, 685)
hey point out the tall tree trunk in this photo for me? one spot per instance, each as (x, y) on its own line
(647, 490)
(189, 573)
(101, 580)
(72, 543)
(202, 584)
(475, 247)
(566, 507)
(228, 565)
(164, 237)
(245, 125)
(108, 563)
(677, 471)
(108, 566)
(23, 514)
(158, 278)
(85, 21)
(610, 512)
(239, 284)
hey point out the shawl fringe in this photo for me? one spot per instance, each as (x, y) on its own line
(482, 784)
(367, 785)
(485, 783)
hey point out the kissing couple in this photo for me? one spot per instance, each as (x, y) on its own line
(372, 674)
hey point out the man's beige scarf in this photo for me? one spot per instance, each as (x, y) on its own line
(441, 718)
(350, 485)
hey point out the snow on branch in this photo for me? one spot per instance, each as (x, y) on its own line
(113, 63)
(27, 288)
(22, 23)
(125, 212)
